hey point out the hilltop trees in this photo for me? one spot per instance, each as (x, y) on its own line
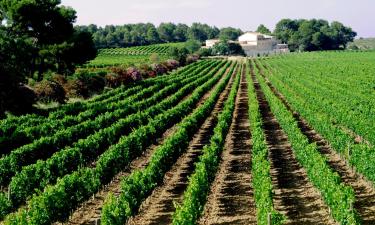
(312, 35)
(146, 33)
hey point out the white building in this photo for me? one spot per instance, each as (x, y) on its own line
(211, 42)
(257, 44)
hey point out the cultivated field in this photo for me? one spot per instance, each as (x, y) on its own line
(131, 56)
(281, 140)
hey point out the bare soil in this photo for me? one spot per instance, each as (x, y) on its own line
(158, 208)
(231, 197)
(364, 191)
(89, 213)
(294, 195)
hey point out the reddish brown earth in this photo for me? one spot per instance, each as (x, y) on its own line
(231, 197)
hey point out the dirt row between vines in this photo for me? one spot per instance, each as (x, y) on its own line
(294, 195)
(158, 208)
(90, 211)
(231, 197)
(364, 192)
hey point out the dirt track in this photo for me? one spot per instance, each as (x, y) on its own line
(231, 198)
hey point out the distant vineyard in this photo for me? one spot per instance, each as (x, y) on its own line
(161, 49)
(131, 56)
(279, 140)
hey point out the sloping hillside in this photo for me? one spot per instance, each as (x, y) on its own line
(363, 44)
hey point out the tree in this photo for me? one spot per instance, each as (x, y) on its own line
(227, 48)
(166, 32)
(306, 31)
(263, 29)
(152, 36)
(81, 50)
(212, 32)
(342, 34)
(285, 29)
(51, 32)
(221, 48)
(15, 64)
(197, 32)
(179, 54)
(202, 32)
(193, 45)
(181, 32)
(229, 33)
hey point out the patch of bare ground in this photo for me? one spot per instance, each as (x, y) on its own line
(294, 195)
(158, 208)
(364, 191)
(89, 213)
(231, 197)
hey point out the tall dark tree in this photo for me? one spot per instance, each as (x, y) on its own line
(229, 33)
(180, 33)
(198, 32)
(50, 26)
(263, 29)
(166, 32)
(342, 34)
(152, 35)
(15, 57)
(285, 29)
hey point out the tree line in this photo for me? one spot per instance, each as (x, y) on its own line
(127, 35)
(300, 35)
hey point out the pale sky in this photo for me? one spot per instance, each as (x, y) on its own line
(244, 14)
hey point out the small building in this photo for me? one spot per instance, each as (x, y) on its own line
(211, 42)
(257, 44)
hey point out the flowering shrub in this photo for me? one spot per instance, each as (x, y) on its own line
(47, 91)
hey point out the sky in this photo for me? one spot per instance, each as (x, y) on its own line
(244, 14)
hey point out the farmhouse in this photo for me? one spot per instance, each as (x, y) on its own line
(254, 44)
